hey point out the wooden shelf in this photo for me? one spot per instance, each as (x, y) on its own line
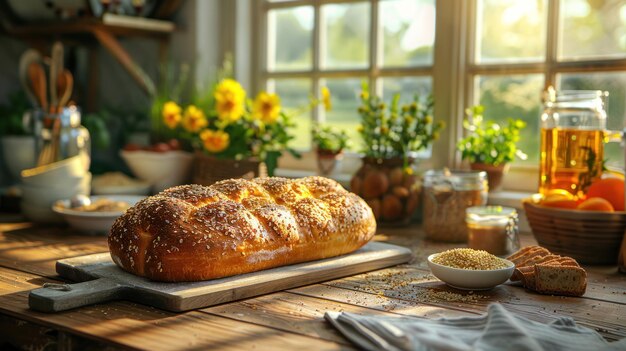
(114, 24)
(105, 30)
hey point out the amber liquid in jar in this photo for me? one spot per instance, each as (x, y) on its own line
(492, 239)
(570, 159)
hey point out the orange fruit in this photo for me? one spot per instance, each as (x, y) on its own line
(560, 200)
(596, 204)
(610, 189)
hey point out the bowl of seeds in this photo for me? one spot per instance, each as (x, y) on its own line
(470, 269)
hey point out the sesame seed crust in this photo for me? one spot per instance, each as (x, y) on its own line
(194, 232)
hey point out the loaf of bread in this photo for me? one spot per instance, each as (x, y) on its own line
(194, 232)
(547, 273)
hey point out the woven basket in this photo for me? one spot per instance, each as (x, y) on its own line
(208, 170)
(587, 236)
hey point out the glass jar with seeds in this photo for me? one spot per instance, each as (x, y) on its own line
(447, 194)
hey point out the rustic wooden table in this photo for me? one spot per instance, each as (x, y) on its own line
(291, 319)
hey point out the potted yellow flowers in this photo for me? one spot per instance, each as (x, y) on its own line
(233, 136)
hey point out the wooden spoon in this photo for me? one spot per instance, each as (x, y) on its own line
(29, 56)
(56, 67)
(37, 77)
(65, 85)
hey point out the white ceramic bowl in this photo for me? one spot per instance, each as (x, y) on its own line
(61, 172)
(161, 169)
(46, 195)
(93, 222)
(468, 279)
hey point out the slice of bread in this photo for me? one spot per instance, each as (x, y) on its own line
(530, 255)
(521, 252)
(560, 280)
(529, 279)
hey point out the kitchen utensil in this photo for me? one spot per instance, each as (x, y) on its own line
(103, 281)
(148, 166)
(37, 77)
(46, 195)
(56, 68)
(28, 57)
(468, 279)
(65, 85)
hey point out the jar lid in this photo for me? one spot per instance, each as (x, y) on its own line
(458, 179)
(490, 214)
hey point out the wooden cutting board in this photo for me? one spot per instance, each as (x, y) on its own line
(100, 280)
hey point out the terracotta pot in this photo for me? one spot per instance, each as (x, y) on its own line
(328, 162)
(494, 173)
(392, 193)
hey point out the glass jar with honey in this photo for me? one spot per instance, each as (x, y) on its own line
(573, 133)
(493, 229)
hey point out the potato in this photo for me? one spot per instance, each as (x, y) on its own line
(392, 207)
(355, 184)
(375, 184)
(400, 192)
(396, 176)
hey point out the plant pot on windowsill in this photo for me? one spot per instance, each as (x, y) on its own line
(495, 174)
(391, 192)
(210, 169)
(328, 161)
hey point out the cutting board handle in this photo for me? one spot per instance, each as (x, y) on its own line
(61, 297)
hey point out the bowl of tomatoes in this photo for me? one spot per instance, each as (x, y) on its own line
(163, 165)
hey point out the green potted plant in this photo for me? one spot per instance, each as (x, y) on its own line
(329, 145)
(489, 146)
(18, 145)
(392, 135)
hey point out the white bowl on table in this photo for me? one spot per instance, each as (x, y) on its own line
(468, 279)
(38, 213)
(61, 172)
(161, 169)
(93, 222)
(47, 194)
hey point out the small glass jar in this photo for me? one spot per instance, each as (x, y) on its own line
(447, 194)
(493, 229)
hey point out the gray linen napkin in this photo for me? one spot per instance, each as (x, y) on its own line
(497, 330)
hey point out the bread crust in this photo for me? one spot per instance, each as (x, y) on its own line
(236, 226)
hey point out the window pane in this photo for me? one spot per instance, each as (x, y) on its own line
(294, 97)
(511, 30)
(515, 96)
(408, 32)
(345, 35)
(591, 28)
(345, 102)
(407, 87)
(290, 38)
(615, 84)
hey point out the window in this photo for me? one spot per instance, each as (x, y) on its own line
(520, 47)
(339, 44)
(498, 53)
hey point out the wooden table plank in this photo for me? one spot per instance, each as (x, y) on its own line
(607, 317)
(145, 328)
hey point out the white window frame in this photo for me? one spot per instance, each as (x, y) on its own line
(373, 72)
(521, 175)
(453, 74)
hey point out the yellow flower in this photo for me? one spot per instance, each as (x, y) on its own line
(428, 119)
(365, 95)
(215, 140)
(194, 119)
(171, 114)
(408, 170)
(266, 107)
(328, 105)
(229, 100)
